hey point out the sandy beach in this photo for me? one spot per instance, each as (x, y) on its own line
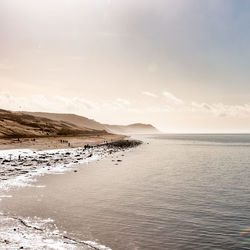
(59, 142)
(22, 162)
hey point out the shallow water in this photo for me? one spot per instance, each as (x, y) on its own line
(177, 192)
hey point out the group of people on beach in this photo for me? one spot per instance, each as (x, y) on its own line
(65, 141)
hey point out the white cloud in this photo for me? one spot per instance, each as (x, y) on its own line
(76, 103)
(172, 99)
(149, 94)
(92, 109)
(123, 101)
(201, 106)
(220, 109)
(60, 104)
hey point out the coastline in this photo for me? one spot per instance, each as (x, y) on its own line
(57, 142)
(20, 167)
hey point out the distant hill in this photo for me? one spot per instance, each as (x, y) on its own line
(80, 121)
(71, 118)
(136, 128)
(19, 124)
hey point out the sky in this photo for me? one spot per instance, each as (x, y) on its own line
(181, 65)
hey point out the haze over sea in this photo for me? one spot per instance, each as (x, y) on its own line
(176, 192)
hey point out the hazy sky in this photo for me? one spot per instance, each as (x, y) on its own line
(182, 65)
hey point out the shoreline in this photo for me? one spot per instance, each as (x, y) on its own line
(58, 142)
(22, 168)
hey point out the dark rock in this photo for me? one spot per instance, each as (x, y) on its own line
(24, 172)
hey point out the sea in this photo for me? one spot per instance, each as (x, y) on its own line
(175, 191)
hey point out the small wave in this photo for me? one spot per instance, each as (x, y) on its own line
(37, 233)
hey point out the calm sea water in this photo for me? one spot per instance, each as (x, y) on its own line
(177, 192)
